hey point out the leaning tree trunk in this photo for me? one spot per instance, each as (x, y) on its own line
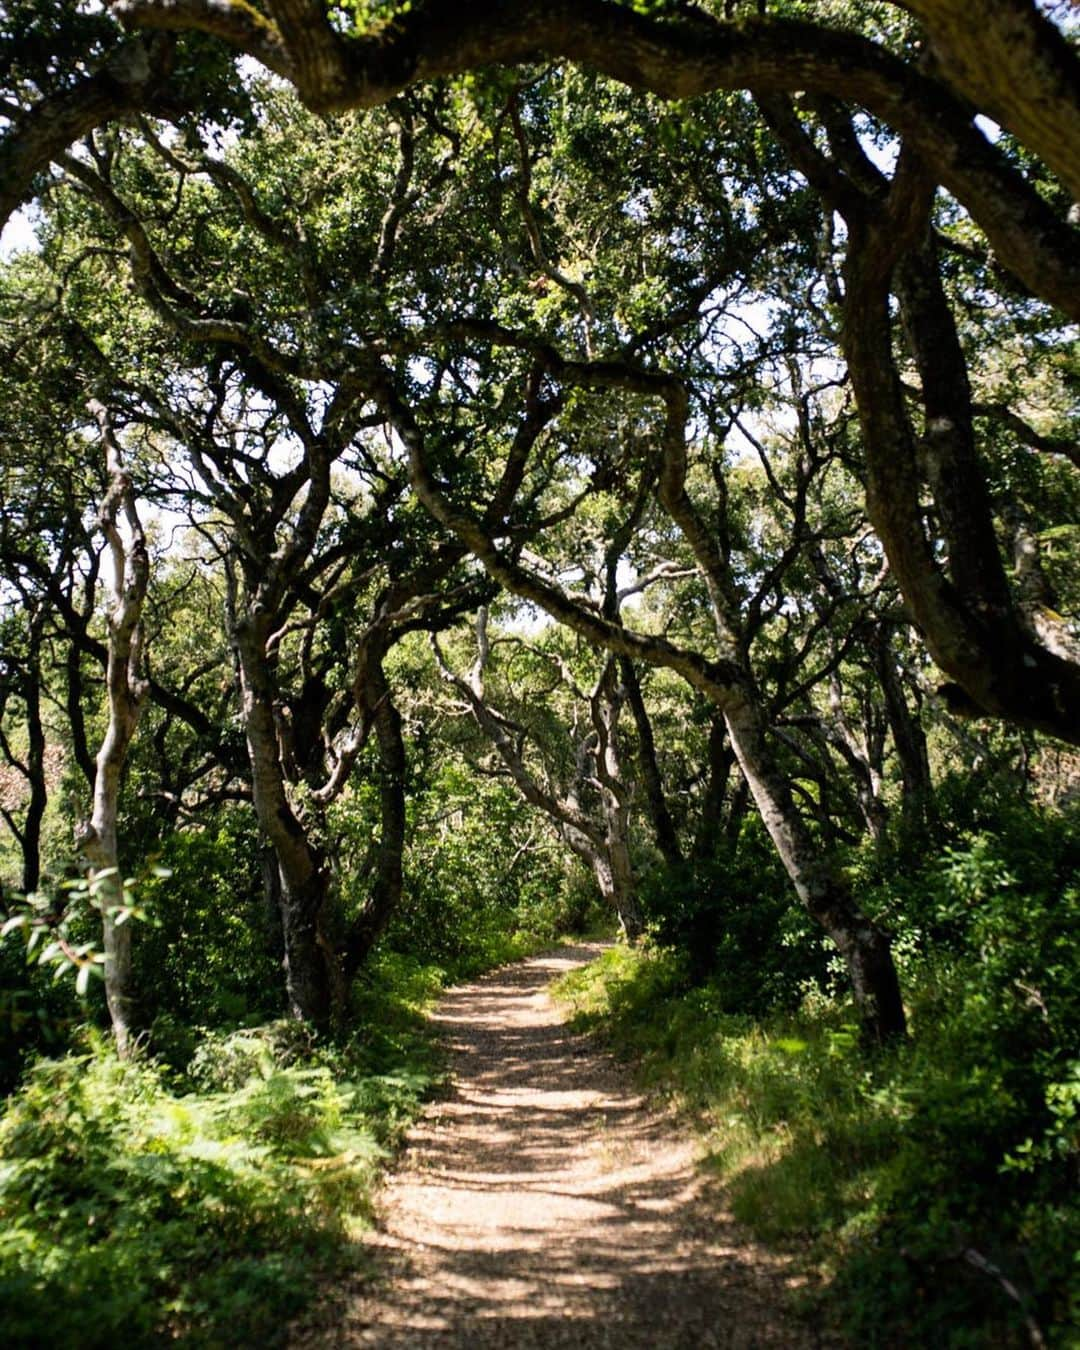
(815, 875)
(864, 947)
(310, 969)
(97, 837)
(966, 615)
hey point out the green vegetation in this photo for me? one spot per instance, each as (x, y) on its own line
(205, 1189)
(933, 1183)
(438, 514)
(144, 1204)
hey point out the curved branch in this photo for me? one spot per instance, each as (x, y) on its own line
(996, 51)
(675, 59)
(133, 79)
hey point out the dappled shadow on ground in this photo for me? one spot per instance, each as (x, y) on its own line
(546, 1204)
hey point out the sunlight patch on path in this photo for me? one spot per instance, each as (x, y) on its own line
(546, 1203)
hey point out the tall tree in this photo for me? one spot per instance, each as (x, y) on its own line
(97, 837)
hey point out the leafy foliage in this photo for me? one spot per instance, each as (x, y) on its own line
(205, 1207)
(518, 277)
(918, 1173)
(730, 923)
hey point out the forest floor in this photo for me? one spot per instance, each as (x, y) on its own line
(546, 1202)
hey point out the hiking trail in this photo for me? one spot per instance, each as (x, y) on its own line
(545, 1202)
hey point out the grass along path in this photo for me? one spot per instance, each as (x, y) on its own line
(546, 1203)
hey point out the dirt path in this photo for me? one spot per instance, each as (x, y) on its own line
(546, 1204)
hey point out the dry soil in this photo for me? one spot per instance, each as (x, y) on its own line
(545, 1202)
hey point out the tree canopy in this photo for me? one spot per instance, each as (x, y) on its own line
(465, 463)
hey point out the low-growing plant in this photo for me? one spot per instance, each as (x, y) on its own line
(935, 1183)
(138, 1207)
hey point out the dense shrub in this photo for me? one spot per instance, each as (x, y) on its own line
(483, 884)
(138, 1208)
(207, 954)
(939, 1176)
(736, 924)
(37, 1013)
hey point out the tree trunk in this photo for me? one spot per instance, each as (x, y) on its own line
(309, 981)
(35, 769)
(863, 945)
(386, 893)
(605, 707)
(615, 880)
(908, 737)
(721, 760)
(309, 973)
(126, 689)
(97, 840)
(864, 765)
(737, 812)
(966, 618)
(667, 840)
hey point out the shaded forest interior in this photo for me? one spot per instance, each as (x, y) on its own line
(471, 475)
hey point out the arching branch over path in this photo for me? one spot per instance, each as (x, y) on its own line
(695, 54)
(1013, 63)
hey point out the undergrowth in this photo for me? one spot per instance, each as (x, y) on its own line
(933, 1185)
(141, 1203)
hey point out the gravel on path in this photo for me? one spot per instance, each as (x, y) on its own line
(547, 1203)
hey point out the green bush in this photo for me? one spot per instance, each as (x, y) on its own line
(935, 1177)
(470, 903)
(207, 955)
(136, 1212)
(737, 924)
(37, 1013)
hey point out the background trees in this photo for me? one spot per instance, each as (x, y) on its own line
(578, 345)
(689, 434)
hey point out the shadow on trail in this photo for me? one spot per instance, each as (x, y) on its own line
(544, 1204)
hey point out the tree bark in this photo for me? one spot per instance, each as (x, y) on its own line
(126, 690)
(615, 799)
(667, 839)
(908, 737)
(615, 879)
(378, 705)
(1016, 66)
(309, 977)
(35, 773)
